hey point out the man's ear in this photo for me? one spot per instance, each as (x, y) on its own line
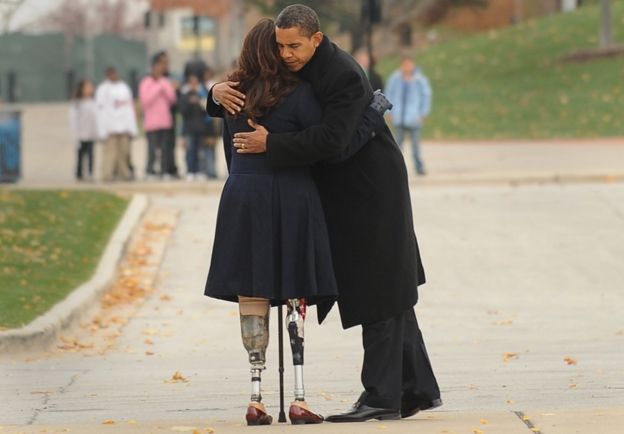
(317, 38)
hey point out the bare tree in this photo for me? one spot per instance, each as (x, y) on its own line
(606, 28)
(88, 17)
(7, 10)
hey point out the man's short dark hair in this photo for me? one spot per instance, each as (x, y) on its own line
(158, 56)
(299, 16)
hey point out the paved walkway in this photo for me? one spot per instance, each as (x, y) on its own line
(521, 312)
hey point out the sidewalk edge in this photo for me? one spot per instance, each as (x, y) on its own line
(44, 331)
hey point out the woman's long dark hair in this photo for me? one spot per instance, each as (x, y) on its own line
(262, 76)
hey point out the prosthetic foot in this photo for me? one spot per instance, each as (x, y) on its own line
(254, 319)
(299, 413)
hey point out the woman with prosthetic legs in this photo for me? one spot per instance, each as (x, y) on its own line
(271, 245)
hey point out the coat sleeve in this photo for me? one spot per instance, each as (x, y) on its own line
(227, 144)
(344, 104)
(215, 110)
(308, 111)
(369, 124)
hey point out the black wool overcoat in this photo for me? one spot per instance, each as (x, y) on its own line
(365, 198)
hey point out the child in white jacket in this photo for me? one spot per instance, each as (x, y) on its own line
(117, 125)
(83, 125)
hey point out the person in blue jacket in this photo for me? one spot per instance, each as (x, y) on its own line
(410, 93)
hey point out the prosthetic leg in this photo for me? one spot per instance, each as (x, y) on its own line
(254, 319)
(299, 412)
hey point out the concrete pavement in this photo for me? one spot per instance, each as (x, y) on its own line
(521, 313)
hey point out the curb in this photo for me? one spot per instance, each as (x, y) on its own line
(44, 331)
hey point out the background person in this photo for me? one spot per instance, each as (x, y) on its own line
(368, 65)
(116, 125)
(157, 95)
(83, 125)
(192, 106)
(410, 93)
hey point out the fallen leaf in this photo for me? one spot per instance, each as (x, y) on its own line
(484, 421)
(165, 297)
(327, 396)
(569, 360)
(511, 401)
(177, 377)
(509, 356)
(149, 353)
(148, 342)
(109, 422)
(535, 429)
(572, 386)
(477, 431)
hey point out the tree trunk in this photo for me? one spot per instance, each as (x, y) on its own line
(606, 30)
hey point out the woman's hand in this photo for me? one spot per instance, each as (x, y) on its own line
(225, 94)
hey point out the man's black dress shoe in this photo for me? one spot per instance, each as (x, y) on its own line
(361, 413)
(408, 410)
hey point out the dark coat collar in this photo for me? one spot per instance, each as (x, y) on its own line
(319, 61)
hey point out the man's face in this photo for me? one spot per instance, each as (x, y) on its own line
(296, 49)
(408, 66)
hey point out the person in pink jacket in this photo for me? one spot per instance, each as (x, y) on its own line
(157, 95)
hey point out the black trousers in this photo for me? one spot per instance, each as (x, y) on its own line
(396, 369)
(84, 151)
(156, 143)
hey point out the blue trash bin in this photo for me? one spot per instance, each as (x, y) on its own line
(10, 145)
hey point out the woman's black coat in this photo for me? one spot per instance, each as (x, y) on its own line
(365, 198)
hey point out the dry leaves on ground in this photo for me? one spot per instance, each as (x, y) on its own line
(177, 378)
(73, 345)
(570, 360)
(509, 356)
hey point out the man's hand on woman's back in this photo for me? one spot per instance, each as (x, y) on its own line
(225, 94)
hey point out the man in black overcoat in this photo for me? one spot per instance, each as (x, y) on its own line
(369, 217)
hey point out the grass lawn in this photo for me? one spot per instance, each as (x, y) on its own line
(50, 242)
(510, 83)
